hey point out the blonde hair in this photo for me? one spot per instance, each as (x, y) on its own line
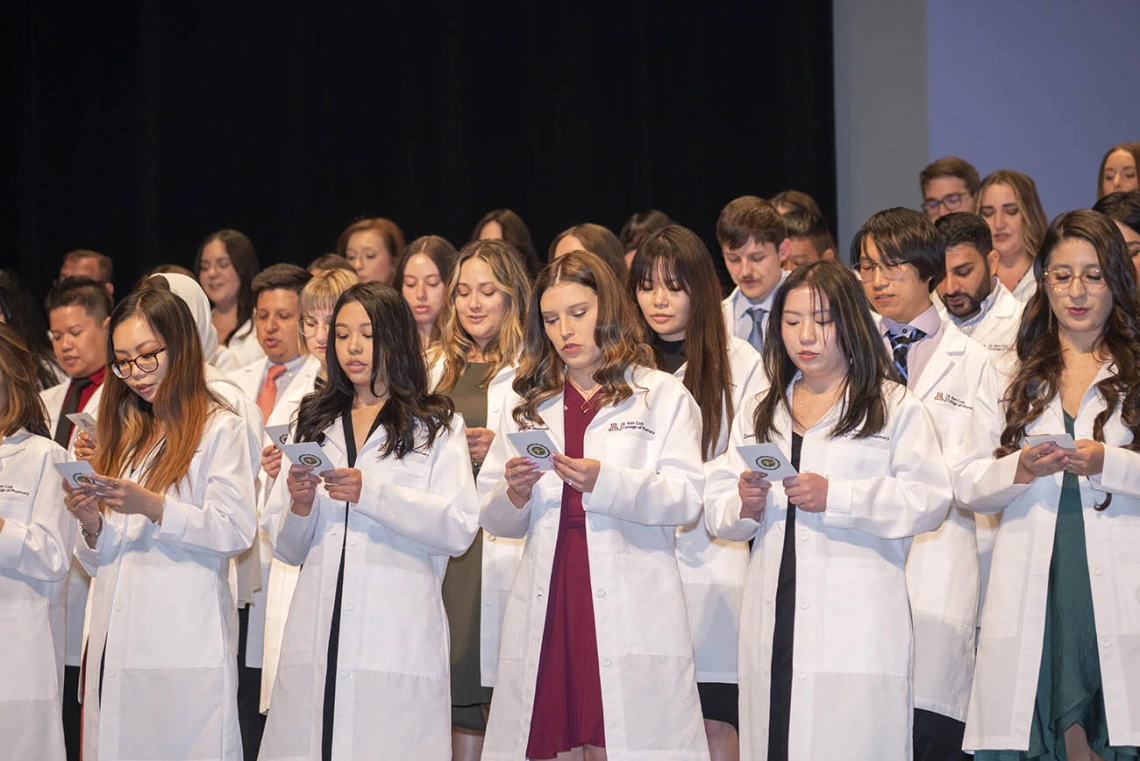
(320, 294)
(455, 344)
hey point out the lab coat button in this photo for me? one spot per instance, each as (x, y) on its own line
(349, 606)
(803, 536)
(1098, 571)
(608, 662)
(801, 676)
(601, 593)
(118, 606)
(488, 602)
(538, 595)
(111, 673)
(1106, 642)
(353, 541)
(344, 673)
(804, 605)
(490, 537)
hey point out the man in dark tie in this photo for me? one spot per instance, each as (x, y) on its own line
(79, 312)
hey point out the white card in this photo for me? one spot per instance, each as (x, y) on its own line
(84, 422)
(537, 445)
(78, 474)
(308, 453)
(1062, 440)
(278, 434)
(768, 459)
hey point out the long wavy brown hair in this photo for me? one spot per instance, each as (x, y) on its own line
(455, 345)
(865, 407)
(686, 265)
(23, 407)
(1024, 190)
(1041, 361)
(181, 406)
(617, 333)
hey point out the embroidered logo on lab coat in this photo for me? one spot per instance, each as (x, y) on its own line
(631, 425)
(953, 401)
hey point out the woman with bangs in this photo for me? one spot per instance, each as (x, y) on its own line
(36, 539)
(423, 273)
(596, 657)
(315, 307)
(1059, 644)
(673, 281)
(825, 624)
(363, 671)
(172, 503)
(474, 365)
(1008, 202)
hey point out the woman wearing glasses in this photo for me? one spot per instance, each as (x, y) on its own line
(171, 505)
(1059, 647)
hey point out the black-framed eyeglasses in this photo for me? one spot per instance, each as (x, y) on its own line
(146, 363)
(952, 202)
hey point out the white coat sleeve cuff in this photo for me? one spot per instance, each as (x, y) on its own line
(295, 536)
(1120, 474)
(499, 515)
(601, 498)
(173, 525)
(840, 496)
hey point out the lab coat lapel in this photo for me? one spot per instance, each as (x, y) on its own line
(946, 356)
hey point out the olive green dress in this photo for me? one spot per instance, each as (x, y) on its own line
(462, 584)
(1069, 687)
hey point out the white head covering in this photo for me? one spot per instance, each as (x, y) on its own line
(187, 289)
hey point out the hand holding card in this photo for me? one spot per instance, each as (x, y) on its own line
(278, 434)
(309, 454)
(1060, 440)
(83, 421)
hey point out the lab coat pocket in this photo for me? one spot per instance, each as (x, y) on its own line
(866, 620)
(402, 613)
(1005, 591)
(172, 619)
(1126, 559)
(17, 509)
(25, 631)
(654, 614)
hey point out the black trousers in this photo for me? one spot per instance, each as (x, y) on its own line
(938, 737)
(249, 694)
(71, 713)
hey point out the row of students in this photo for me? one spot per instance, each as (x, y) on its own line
(879, 268)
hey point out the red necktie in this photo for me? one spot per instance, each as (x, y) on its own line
(268, 394)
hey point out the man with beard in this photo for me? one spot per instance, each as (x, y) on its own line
(976, 301)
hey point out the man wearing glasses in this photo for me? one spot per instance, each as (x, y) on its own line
(949, 184)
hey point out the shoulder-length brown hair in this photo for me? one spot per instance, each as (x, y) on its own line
(686, 265)
(443, 256)
(181, 405)
(617, 334)
(455, 345)
(23, 406)
(1130, 147)
(865, 407)
(1038, 377)
(1028, 202)
(599, 241)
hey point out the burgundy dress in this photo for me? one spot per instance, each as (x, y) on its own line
(568, 694)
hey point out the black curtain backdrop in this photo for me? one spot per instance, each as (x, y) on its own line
(140, 128)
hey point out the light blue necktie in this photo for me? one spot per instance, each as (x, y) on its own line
(756, 337)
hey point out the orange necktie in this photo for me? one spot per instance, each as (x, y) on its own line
(267, 396)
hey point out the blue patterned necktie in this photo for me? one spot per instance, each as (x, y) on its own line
(900, 345)
(756, 337)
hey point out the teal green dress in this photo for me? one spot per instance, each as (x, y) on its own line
(1068, 688)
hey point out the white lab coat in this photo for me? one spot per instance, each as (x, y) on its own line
(253, 567)
(649, 483)
(162, 612)
(393, 693)
(501, 554)
(1013, 617)
(851, 696)
(942, 568)
(242, 350)
(713, 570)
(35, 553)
(78, 581)
(281, 578)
